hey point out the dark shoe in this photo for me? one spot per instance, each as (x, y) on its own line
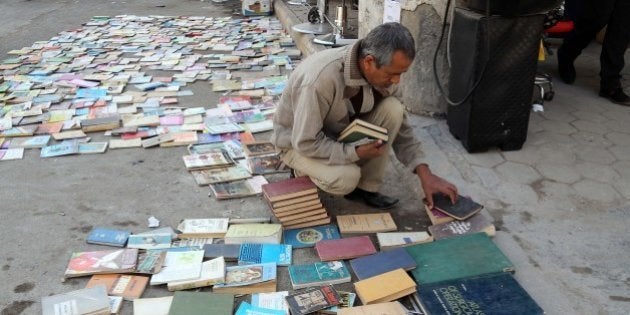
(566, 68)
(373, 199)
(616, 96)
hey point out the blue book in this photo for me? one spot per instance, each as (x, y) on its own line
(104, 236)
(318, 274)
(248, 309)
(307, 237)
(379, 263)
(492, 294)
(265, 253)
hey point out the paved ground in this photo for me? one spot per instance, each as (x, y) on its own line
(561, 203)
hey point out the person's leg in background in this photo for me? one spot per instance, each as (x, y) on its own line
(613, 52)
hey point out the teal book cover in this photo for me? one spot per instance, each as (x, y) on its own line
(319, 273)
(460, 257)
(265, 253)
(495, 294)
(307, 237)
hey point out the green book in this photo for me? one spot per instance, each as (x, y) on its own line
(460, 257)
(201, 303)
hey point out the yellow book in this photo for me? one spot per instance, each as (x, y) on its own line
(386, 287)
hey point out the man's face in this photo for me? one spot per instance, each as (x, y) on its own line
(386, 75)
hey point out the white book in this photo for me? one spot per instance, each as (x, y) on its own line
(122, 144)
(152, 306)
(203, 228)
(84, 301)
(179, 266)
(272, 300)
(212, 272)
(399, 239)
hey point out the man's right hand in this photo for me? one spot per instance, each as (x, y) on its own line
(371, 150)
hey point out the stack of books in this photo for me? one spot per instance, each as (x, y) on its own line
(295, 202)
(456, 219)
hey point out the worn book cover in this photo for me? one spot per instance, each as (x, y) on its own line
(150, 261)
(318, 273)
(442, 260)
(258, 148)
(346, 300)
(212, 272)
(149, 241)
(229, 252)
(100, 262)
(308, 237)
(298, 211)
(366, 223)
(236, 276)
(382, 262)
(462, 209)
(311, 215)
(360, 129)
(30, 142)
(254, 233)
(385, 287)
(202, 228)
(201, 303)
(272, 300)
(110, 237)
(179, 266)
(239, 188)
(279, 206)
(207, 160)
(345, 248)
(93, 301)
(494, 294)
(265, 253)
(127, 286)
(220, 175)
(312, 299)
(266, 164)
(93, 147)
(392, 240)
(289, 189)
(60, 149)
(474, 224)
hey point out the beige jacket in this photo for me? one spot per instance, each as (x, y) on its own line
(315, 108)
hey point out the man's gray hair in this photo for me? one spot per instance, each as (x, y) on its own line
(384, 40)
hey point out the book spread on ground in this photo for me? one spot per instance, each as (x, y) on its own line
(474, 224)
(254, 233)
(366, 223)
(319, 273)
(265, 253)
(462, 209)
(289, 189)
(385, 287)
(345, 248)
(236, 276)
(198, 303)
(127, 286)
(149, 241)
(101, 262)
(92, 301)
(229, 252)
(212, 272)
(379, 263)
(179, 266)
(203, 228)
(312, 299)
(110, 237)
(272, 300)
(392, 240)
(308, 237)
(152, 306)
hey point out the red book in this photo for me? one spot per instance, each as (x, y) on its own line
(289, 189)
(345, 248)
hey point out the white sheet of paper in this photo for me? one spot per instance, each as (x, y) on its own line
(391, 11)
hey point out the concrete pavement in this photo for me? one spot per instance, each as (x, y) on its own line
(562, 203)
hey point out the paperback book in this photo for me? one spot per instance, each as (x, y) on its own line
(318, 274)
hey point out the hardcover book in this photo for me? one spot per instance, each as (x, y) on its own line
(393, 240)
(110, 237)
(379, 263)
(319, 273)
(442, 260)
(127, 286)
(345, 248)
(254, 233)
(474, 224)
(366, 223)
(265, 253)
(360, 129)
(312, 299)
(462, 209)
(289, 189)
(201, 303)
(493, 294)
(229, 252)
(93, 301)
(385, 287)
(308, 237)
(101, 262)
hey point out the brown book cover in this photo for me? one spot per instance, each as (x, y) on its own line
(308, 224)
(304, 214)
(296, 206)
(366, 223)
(385, 287)
(288, 202)
(297, 211)
(128, 286)
(344, 248)
(312, 217)
(289, 189)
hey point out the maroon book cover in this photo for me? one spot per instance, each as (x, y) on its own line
(345, 248)
(288, 189)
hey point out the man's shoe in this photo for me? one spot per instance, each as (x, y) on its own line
(373, 199)
(616, 96)
(565, 68)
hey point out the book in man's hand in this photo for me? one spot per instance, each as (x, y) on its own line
(462, 209)
(359, 130)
